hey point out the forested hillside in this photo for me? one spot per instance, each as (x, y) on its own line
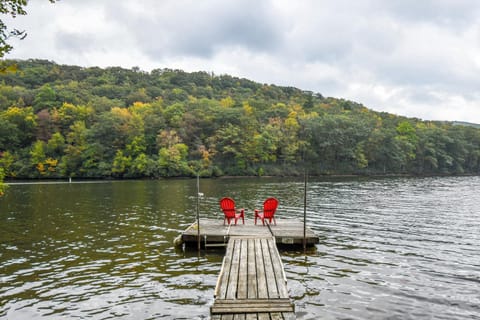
(68, 121)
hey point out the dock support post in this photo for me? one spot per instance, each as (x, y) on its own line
(305, 213)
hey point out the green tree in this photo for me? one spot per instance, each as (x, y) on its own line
(71, 162)
(56, 145)
(227, 144)
(3, 186)
(9, 134)
(339, 141)
(142, 166)
(173, 160)
(407, 141)
(46, 98)
(37, 156)
(383, 151)
(153, 121)
(68, 113)
(6, 161)
(120, 164)
(21, 125)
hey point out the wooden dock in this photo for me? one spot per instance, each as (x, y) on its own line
(214, 233)
(252, 282)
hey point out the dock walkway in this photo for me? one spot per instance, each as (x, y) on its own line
(252, 282)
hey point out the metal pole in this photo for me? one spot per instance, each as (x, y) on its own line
(198, 211)
(305, 212)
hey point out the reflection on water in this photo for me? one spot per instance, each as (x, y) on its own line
(399, 248)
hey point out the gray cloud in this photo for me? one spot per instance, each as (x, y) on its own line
(417, 58)
(452, 14)
(74, 42)
(199, 28)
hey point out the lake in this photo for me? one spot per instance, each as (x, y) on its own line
(390, 248)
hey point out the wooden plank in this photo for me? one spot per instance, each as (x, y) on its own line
(251, 316)
(243, 271)
(264, 301)
(222, 283)
(233, 278)
(278, 271)
(276, 316)
(244, 309)
(260, 270)
(251, 309)
(252, 288)
(269, 271)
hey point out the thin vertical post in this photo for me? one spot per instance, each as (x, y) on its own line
(305, 212)
(198, 210)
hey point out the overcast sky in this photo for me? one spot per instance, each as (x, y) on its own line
(417, 58)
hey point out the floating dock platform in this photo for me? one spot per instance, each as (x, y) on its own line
(252, 282)
(214, 233)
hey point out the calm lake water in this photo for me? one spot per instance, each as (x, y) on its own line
(390, 248)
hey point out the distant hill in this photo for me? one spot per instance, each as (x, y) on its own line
(467, 124)
(60, 121)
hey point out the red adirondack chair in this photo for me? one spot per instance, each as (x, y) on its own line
(228, 208)
(269, 207)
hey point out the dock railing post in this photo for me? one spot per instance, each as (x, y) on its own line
(305, 213)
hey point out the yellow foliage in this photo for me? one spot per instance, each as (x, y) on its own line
(41, 168)
(121, 112)
(227, 102)
(247, 108)
(311, 115)
(298, 108)
(139, 104)
(52, 164)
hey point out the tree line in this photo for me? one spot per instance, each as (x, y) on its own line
(60, 121)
